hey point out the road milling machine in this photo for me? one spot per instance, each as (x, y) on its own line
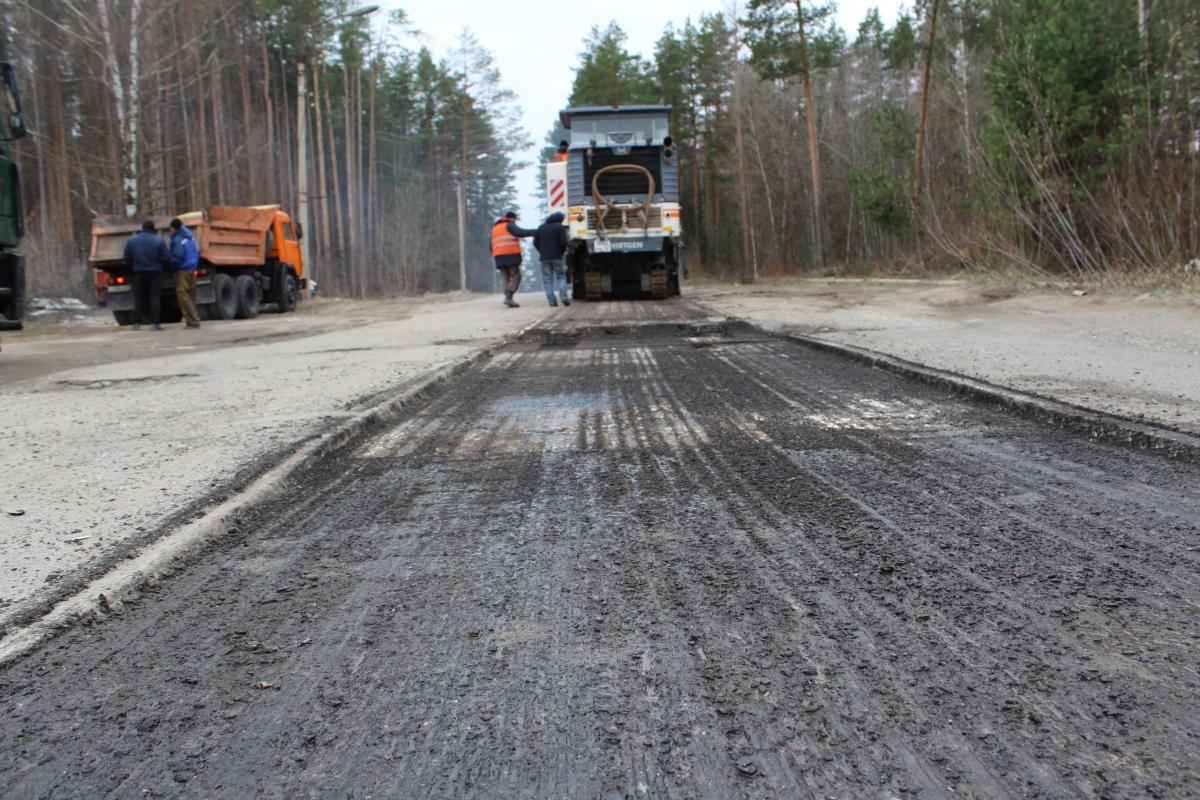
(618, 188)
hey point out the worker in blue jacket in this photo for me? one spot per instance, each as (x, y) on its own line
(185, 260)
(146, 255)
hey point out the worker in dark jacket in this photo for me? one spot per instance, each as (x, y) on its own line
(185, 260)
(146, 254)
(506, 249)
(551, 243)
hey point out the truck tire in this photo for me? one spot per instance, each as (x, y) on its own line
(226, 304)
(123, 317)
(288, 294)
(249, 297)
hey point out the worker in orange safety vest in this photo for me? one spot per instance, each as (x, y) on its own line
(561, 154)
(506, 249)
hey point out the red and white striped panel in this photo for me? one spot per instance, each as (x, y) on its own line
(557, 191)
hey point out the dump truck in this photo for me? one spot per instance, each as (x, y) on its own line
(12, 215)
(618, 189)
(249, 255)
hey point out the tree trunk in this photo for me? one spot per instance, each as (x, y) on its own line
(205, 172)
(273, 166)
(918, 172)
(125, 95)
(372, 220)
(218, 120)
(749, 266)
(338, 212)
(462, 180)
(321, 234)
(810, 113)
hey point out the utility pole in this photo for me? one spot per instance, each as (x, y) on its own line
(302, 168)
(462, 232)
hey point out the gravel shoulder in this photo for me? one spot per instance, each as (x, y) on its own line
(1132, 355)
(112, 437)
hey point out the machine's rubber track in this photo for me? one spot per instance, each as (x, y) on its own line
(592, 285)
(659, 284)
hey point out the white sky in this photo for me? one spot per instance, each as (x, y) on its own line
(536, 47)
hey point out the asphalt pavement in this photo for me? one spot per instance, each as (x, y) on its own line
(643, 553)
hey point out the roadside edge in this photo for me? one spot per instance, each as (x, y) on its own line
(157, 560)
(1096, 425)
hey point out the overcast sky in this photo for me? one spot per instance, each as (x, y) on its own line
(536, 46)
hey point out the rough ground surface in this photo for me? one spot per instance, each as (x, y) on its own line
(112, 435)
(1125, 354)
(658, 561)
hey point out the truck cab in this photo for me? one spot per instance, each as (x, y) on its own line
(619, 191)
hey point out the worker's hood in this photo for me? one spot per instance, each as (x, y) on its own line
(557, 216)
(183, 231)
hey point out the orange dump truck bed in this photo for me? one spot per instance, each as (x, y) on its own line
(232, 235)
(110, 233)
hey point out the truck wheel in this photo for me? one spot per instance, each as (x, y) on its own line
(249, 297)
(287, 295)
(226, 303)
(123, 317)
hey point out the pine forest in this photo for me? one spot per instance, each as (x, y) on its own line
(1025, 137)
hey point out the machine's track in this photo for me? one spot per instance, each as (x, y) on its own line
(592, 284)
(659, 285)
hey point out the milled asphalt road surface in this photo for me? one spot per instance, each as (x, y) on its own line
(669, 561)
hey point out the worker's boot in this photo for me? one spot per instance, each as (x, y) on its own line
(508, 300)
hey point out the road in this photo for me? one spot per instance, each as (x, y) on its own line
(642, 555)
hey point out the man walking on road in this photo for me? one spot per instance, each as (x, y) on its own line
(506, 249)
(146, 254)
(185, 259)
(551, 243)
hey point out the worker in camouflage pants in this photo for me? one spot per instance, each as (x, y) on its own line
(185, 260)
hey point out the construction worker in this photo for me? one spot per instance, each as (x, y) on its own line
(185, 260)
(146, 254)
(561, 155)
(506, 249)
(551, 244)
